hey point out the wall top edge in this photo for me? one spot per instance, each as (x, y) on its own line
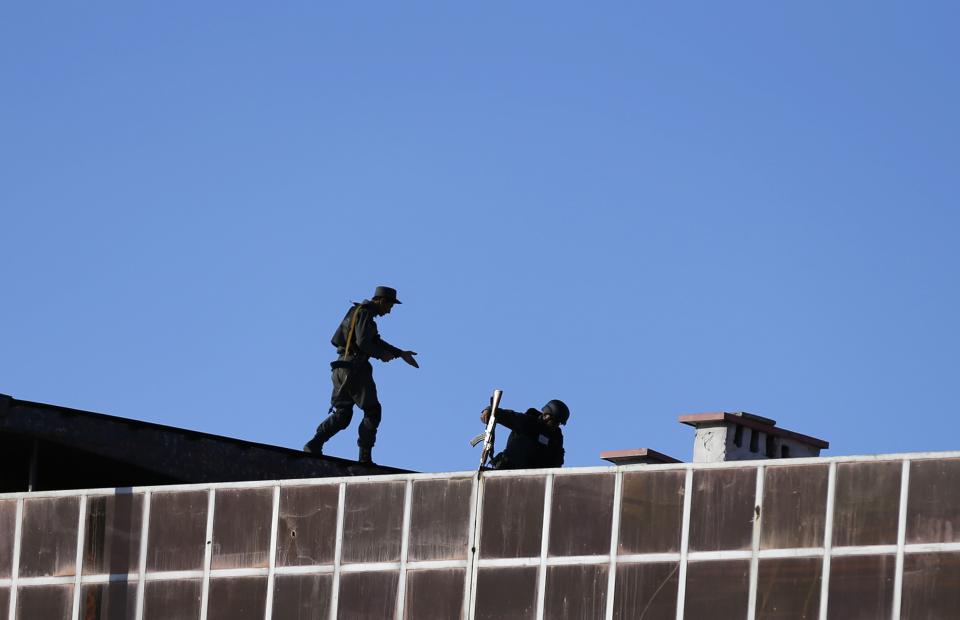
(469, 475)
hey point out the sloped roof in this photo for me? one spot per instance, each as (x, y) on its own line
(173, 454)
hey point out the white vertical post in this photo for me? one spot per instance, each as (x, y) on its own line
(755, 544)
(684, 542)
(272, 560)
(207, 555)
(901, 539)
(404, 547)
(15, 566)
(614, 542)
(142, 572)
(544, 544)
(827, 542)
(337, 552)
(473, 559)
(78, 568)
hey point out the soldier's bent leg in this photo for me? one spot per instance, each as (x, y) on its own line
(366, 399)
(338, 420)
(369, 425)
(342, 404)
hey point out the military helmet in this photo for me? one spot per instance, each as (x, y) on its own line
(557, 409)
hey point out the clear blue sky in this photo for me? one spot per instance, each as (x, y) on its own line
(644, 209)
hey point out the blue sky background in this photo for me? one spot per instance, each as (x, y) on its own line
(644, 209)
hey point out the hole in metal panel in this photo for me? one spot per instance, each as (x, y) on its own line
(307, 528)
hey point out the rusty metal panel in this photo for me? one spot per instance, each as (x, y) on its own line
(108, 601)
(866, 504)
(177, 531)
(368, 595)
(44, 602)
(307, 530)
(577, 591)
(301, 597)
(861, 587)
(722, 509)
(440, 519)
(237, 598)
(570, 533)
(241, 528)
(717, 590)
(788, 589)
(512, 517)
(651, 513)
(434, 594)
(172, 600)
(506, 593)
(8, 522)
(372, 522)
(49, 539)
(930, 586)
(933, 501)
(794, 506)
(111, 541)
(646, 591)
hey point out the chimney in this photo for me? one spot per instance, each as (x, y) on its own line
(742, 436)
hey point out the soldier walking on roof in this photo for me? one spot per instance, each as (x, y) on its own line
(357, 340)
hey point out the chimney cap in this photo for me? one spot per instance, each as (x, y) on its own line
(750, 421)
(641, 456)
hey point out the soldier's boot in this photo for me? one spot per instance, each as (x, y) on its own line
(314, 446)
(365, 455)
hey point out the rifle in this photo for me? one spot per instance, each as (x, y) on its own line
(487, 437)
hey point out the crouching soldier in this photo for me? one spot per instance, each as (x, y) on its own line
(535, 437)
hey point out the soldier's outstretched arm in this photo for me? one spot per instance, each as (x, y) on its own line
(505, 417)
(369, 341)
